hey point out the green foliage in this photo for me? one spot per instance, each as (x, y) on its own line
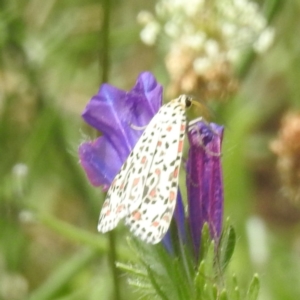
(161, 274)
(253, 289)
(227, 244)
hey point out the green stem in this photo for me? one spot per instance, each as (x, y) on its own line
(271, 8)
(105, 68)
(112, 263)
(104, 57)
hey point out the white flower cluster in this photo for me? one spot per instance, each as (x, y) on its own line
(215, 30)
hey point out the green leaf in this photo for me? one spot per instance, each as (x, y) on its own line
(156, 284)
(210, 261)
(130, 269)
(253, 288)
(165, 272)
(223, 295)
(215, 291)
(207, 292)
(204, 279)
(199, 280)
(205, 241)
(234, 280)
(236, 294)
(235, 291)
(63, 274)
(79, 236)
(227, 246)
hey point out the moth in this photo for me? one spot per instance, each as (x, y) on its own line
(144, 191)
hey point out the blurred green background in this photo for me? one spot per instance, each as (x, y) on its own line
(51, 63)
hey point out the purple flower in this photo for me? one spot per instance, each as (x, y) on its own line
(204, 180)
(113, 112)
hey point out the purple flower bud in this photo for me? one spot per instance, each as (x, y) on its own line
(204, 180)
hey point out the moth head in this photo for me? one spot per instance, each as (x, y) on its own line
(185, 101)
(188, 101)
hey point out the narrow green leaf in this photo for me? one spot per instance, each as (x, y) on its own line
(73, 233)
(227, 246)
(204, 278)
(186, 259)
(236, 294)
(156, 285)
(253, 288)
(210, 261)
(199, 280)
(234, 280)
(140, 285)
(174, 275)
(63, 274)
(215, 291)
(207, 292)
(162, 274)
(134, 271)
(80, 236)
(235, 291)
(205, 241)
(223, 295)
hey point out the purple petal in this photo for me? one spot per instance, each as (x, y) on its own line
(204, 180)
(115, 112)
(95, 159)
(167, 242)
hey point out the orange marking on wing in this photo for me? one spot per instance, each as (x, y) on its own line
(180, 146)
(175, 173)
(159, 143)
(107, 213)
(136, 215)
(169, 128)
(153, 193)
(144, 159)
(120, 208)
(155, 224)
(135, 181)
(182, 127)
(172, 196)
(157, 171)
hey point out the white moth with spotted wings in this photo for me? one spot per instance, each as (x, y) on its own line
(144, 191)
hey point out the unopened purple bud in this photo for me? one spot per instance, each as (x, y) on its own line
(204, 180)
